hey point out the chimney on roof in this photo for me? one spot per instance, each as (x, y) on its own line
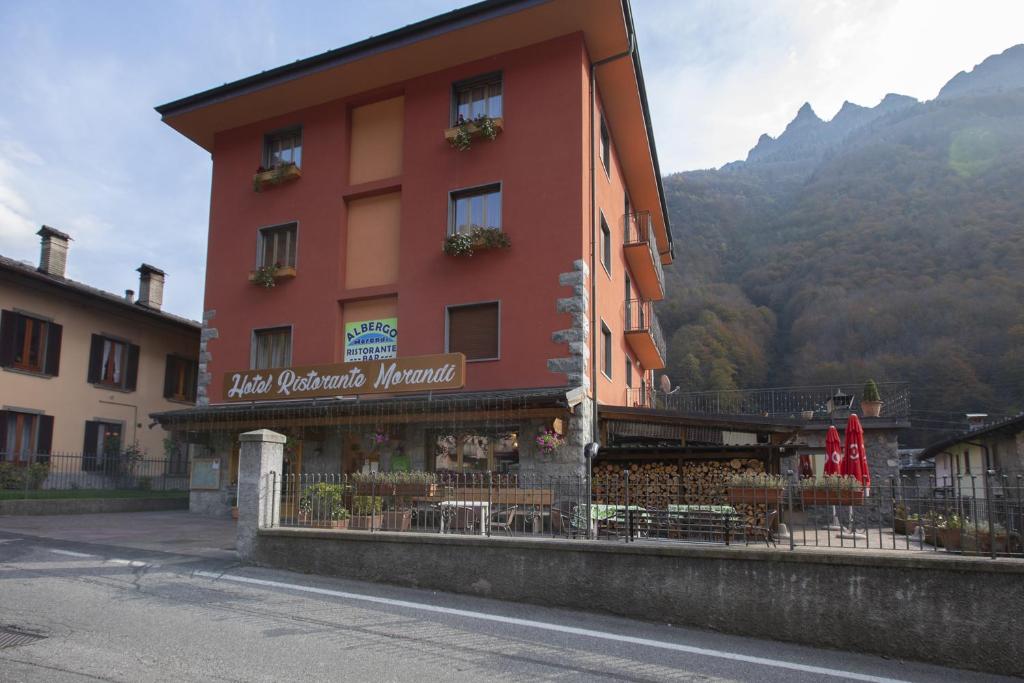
(151, 286)
(53, 258)
(976, 420)
(129, 295)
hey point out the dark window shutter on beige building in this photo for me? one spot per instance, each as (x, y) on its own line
(53, 338)
(132, 374)
(95, 358)
(7, 331)
(44, 442)
(473, 331)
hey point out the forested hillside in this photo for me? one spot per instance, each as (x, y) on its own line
(886, 243)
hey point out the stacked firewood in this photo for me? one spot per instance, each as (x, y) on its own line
(656, 485)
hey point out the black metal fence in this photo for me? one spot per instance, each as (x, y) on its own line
(32, 475)
(979, 516)
(804, 402)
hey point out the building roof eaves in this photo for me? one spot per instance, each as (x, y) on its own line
(420, 30)
(30, 272)
(970, 435)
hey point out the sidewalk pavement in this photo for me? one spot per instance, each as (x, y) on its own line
(178, 531)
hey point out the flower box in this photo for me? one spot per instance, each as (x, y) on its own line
(396, 520)
(950, 539)
(474, 130)
(364, 522)
(282, 273)
(743, 495)
(813, 496)
(385, 489)
(275, 176)
(899, 525)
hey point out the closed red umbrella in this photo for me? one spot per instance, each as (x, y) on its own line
(833, 451)
(855, 461)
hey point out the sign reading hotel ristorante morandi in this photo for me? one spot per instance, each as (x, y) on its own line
(392, 376)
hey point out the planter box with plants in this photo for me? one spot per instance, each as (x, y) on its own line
(871, 401)
(831, 490)
(396, 520)
(757, 489)
(271, 177)
(322, 506)
(267, 276)
(461, 136)
(396, 484)
(366, 512)
(478, 239)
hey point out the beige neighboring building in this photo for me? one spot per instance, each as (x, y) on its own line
(82, 369)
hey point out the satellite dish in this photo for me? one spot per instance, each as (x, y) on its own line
(666, 384)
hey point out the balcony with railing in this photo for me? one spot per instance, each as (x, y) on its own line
(823, 402)
(643, 334)
(641, 251)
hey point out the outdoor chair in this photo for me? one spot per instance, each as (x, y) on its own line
(464, 519)
(502, 521)
(764, 533)
(561, 523)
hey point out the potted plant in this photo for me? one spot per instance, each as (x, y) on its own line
(366, 512)
(899, 518)
(276, 175)
(871, 401)
(978, 537)
(548, 441)
(396, 519)
(479, 238)
(460, 136)
(322, 505)
(396, 483)
(831, 490)
(752, 488)
(950, 533)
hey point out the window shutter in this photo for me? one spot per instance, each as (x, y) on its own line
(92, 436)
(95, 359)
(473, 330)
(193, 379)
(132, 374)
(7, 341)
(169, 377)
(53, 338)
(3, 433)
(44, 442)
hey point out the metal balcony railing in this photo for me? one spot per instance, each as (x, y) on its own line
(804, 402)
(638, 230)
(638, 316)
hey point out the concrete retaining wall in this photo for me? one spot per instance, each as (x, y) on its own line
(85, 506)
(960, 612)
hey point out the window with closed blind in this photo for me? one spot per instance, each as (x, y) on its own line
(271, 348)
(474, 331)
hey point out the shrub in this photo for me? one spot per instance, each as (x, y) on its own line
(871, 394)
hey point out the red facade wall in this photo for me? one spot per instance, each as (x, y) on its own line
(537, 159)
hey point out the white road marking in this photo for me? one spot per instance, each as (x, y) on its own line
(559, 628)
(10, 540)
(130, 563)
(70, 553)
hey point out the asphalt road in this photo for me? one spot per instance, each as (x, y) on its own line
(118, 613)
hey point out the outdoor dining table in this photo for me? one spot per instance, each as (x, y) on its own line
(448, 508)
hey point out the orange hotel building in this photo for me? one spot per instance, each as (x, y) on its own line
(336, 179)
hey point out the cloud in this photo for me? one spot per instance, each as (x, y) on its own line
(725, 72)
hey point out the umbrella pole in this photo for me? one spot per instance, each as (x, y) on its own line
(834, 525)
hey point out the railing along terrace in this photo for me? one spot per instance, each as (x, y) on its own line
(807, 402)
(639, 315)
(638, 229)
(972, 516)
(482, 503)
(33, 475)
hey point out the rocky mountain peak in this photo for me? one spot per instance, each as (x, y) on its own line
(997, 73)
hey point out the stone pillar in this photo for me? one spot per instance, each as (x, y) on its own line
(259, 503)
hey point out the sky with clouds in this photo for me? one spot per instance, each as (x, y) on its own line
(81, 148)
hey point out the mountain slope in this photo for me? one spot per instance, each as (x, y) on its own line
(886, 243)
